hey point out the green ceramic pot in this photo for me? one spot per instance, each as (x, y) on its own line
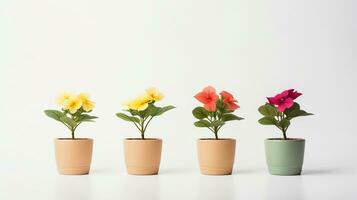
(284, 157)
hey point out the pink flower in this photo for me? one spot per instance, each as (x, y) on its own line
(294, 94)
(284, 100)
(208, 97)
(229, 100)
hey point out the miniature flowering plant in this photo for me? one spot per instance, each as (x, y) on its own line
(216, 110)
(74, 110)
(280, 109)
(143, 109)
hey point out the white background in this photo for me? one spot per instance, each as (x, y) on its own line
(115, 49)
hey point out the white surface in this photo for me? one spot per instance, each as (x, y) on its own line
(179, 184)
(116, 49)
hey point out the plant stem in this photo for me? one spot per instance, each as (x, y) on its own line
(73, 128)
(215, 128)
(142, 129)
(72, 131)
(216, 133)
(284, 129)
(147, 123)
(136, 126)
(284, 134)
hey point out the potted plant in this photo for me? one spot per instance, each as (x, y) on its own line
(143, 155)
(73, 155)
(284, 155)
(215, 155)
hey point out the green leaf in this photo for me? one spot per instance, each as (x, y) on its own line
(268, 120)
(217, 123)
(68, 121)
(227, 111)
(220, 105)
(268, 110)
(285, 123)
(200, 113)
(298, 113)
(127, 118)
(133, 112)
(152, 110)
(295, 107)
(142, 113)
(85, 118)
(163, 110)
(230, 117)
(54, 114)
(202, 123)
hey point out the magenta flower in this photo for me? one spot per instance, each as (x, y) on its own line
(284, 100)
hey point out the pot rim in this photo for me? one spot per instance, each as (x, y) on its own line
(75, 139)
(139, 139)
(287, 140)
(213, 139)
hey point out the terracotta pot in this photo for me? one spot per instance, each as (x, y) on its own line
(142, 157)
(216, 157)
(73, 157)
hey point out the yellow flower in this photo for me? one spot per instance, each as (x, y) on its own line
(64, 97)
(139, 103)
(73, 104)
(87, 104)
(154, 94)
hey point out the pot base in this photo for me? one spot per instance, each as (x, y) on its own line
(73, 170)
(216, 170)
(142, 170)
(285, 171)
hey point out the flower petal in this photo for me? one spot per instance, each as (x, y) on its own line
(209, 89)
(211, 107)
(202, 97)
(287, 104)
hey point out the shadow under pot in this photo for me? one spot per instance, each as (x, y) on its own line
(284, 157)
(216, 157)
(142, 156)
(73, 156)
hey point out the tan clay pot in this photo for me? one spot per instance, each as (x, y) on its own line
(216, 157)
(73, 157)
(142, 157)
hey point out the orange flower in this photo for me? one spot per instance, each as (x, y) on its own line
(208, 97)
(229, 100)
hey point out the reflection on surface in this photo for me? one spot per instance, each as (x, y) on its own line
(141, 187)
(216, 187)
(74, 187)
(285, 187)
